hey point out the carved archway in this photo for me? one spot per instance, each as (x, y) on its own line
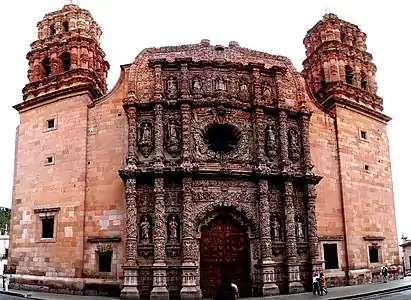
(224, 254)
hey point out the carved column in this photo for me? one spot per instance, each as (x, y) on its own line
(132, 136)
(269, 286)
(257, 86)
(158, 136)
(159, 290)
(157, 82)
(294, 284)
(186, 140)
(305, 132)
(313, 251)
(130, 290)
(190, 281)
(282, 124)
(185, 87)
(259, 132)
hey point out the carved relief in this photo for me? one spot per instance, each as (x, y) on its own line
(294, 147)
(266, 93)
(197, 87)
(243, 93)
(271, 142)
(173, 138)
(220, 85)
(145, 140)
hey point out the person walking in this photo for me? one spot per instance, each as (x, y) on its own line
(384, 273)
(316, 284)
(323, 284)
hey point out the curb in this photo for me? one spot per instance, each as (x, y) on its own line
(15, 294)
(374, 293)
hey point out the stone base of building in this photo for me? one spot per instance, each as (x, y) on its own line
(129, 292)
(295, 288)
(66, 285)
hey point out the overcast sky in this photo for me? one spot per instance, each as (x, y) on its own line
(272, 26)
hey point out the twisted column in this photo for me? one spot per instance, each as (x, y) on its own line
(313, 252)
(159, 290)
(269, 286)
(158, 134)
(132, 136)
(282, 124)
(305, 136)
(294, 284)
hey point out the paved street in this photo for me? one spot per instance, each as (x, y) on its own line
(7, 297)
(406, 295)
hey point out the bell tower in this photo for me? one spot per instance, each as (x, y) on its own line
(338, 67)
(67, 56)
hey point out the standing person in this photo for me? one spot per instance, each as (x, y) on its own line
(316, 284)
(323, 284)
(226, 291)
(384, 273)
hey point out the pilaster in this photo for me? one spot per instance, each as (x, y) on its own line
(305, 136)
(294, 284)
(132, 137)
(159, 290)
(190, 286)
(283, 127)
(158, 136)
(313, 252)
(269, 286)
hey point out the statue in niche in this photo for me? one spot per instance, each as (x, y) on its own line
(271, 142)
(299, 230)
(220, 85)
(145, 229)
(173, 138)
(294, 145)
(276, 229)
(172, 87)
(173, 228)
(243, 93)
(146, 138)
(266, 92)
(196, 86)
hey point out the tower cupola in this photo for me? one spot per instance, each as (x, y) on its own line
(338, 66)
(67, 56)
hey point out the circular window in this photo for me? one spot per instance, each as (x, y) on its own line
(221, 138)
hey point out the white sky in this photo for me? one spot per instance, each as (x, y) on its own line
(272, 26)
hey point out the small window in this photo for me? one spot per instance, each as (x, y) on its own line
(366, 167)
(374, 255)
(47, 228)
(46, 67)
(66, 26)
(52, 30)
(331, 256)
(66, 61)
(50, 124)
(364, 83)
(349, 75)
(50, 160)
(104, 261)
(363, 135)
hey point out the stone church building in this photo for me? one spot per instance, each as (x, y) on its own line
(203, 162)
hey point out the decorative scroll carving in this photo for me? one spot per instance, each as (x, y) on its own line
(294, 145)
(146, 138)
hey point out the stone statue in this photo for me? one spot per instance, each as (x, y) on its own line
(172, 86)
(146, 135)
(270, 134)
(173, 140)
(172, 131)
(219, 85)
(276, 229)
(196, 85)
(243, 91)
(266, 92)
(173, 227)
(294, 145)
(299, 230)
(271, 142)
(145, 229)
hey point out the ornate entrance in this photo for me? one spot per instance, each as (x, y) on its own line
(225, 253)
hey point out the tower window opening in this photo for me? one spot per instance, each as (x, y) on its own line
(66, 26)
(343, 37)
(66, 61)
(52, 29)
(46, 67)
(364, 83)
(322, 77)
(349, 75)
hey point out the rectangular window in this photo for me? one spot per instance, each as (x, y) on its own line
(47, 228)
(50, 124)
(104, 261)
(49, 160)
(331, 256)
(363, 134)
(374, 255)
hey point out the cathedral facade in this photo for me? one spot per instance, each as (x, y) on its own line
(203, 162)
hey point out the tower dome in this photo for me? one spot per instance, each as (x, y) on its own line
(67, 56)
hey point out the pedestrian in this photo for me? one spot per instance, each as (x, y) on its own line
(6, 282)
(227, 291)
(323, 284)
(316, 284)
(384, 273)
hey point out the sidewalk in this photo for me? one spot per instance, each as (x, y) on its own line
(345, 292)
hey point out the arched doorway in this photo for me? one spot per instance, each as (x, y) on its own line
(225, 252)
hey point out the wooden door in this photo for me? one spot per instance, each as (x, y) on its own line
(225, 252)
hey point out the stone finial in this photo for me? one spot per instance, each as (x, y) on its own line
(205, 42)
(233, 44)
